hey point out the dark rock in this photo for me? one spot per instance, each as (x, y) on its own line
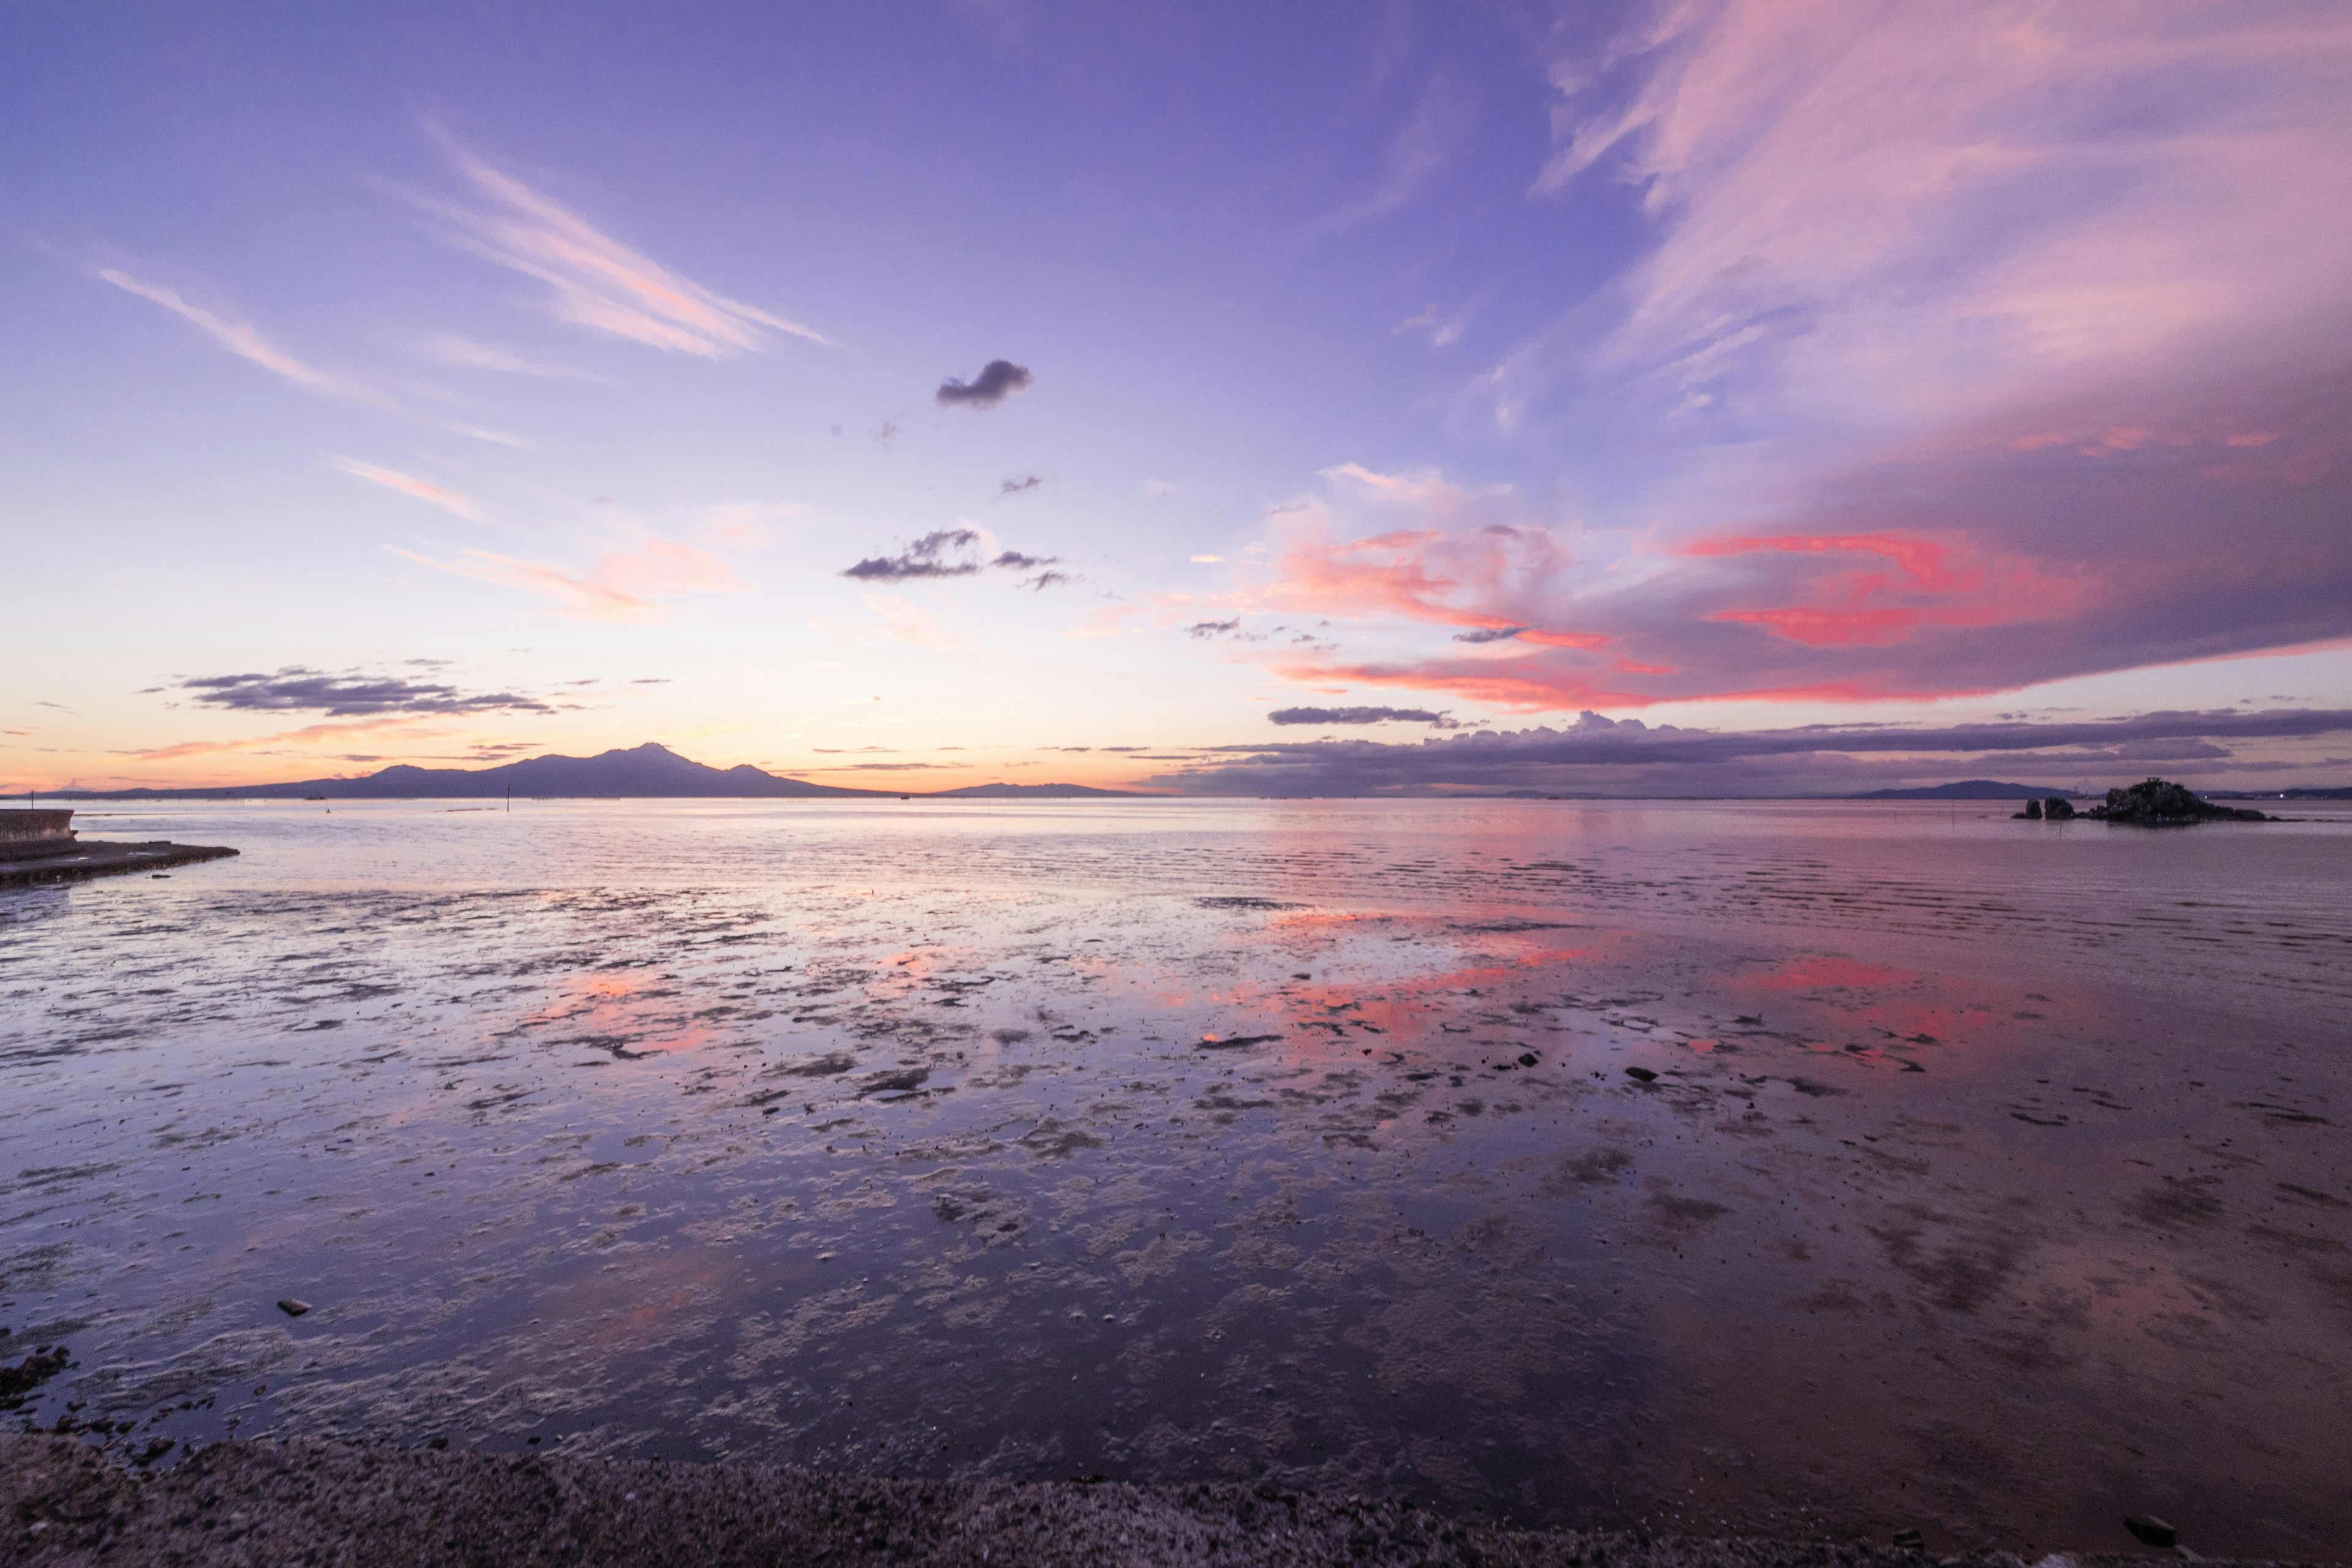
(2150, 1531)
(1909, 1540)
(1528, 1058)
(18, 1383)
(2058, 810)
(1643, 1074)
(293, 1308)
(2032, 812)
(2160, 802)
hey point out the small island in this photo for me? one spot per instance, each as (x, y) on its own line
(37, 847)
(2152, 803)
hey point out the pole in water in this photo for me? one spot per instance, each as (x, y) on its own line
(509, 800)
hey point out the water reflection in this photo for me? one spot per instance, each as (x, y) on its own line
(1093, 1143)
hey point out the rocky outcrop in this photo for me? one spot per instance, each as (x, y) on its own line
(2160, 802)
(2054, 809)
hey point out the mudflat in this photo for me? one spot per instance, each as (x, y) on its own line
(1711, 1172)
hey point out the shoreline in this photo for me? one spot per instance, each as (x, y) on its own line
(239, 1503)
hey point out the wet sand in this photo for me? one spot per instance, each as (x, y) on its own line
(1667, 1175)
(256, 1503)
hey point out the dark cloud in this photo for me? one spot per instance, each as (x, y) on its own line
(924, 558)
(998, 379)
(1360, 716)
(651, 681)
(1020, 484)
(1045, 580)
(299, 690)
(1020, 563)
(1598, 755)
(1491, 634)
(1205, 630)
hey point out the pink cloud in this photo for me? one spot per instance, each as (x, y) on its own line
(1881, 213)
(409, 484)
(594, 280)
(622, 586)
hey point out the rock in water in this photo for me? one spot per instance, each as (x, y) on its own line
(2151, 1531)
(1642, 1075)
(2032, 812)
(2160, 802)
(293, 1308)
(2058, 810)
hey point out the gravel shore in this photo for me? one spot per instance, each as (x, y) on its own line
(239, 1504)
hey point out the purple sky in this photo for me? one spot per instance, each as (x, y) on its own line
(920, 395)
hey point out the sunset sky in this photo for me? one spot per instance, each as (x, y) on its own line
(1151, 396)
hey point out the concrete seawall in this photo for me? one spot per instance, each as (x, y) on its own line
(41, 847)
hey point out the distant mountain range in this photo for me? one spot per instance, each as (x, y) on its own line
(1970, 789)
(649, 772)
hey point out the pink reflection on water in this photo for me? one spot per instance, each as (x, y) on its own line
(627, 1015)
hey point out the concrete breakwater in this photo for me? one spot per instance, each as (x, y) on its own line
(41, 847)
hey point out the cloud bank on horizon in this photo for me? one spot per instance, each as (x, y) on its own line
(1857, 361)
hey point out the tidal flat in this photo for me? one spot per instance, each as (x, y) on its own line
(1700, 1167)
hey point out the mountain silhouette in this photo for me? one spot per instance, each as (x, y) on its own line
(650, 771)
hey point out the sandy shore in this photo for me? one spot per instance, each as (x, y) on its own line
(283, 1503)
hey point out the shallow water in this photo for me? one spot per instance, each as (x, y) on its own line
(1991, 1179)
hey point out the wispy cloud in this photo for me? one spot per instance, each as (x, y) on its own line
(622, 586)
(593, 279)
(1870, 213)
(246, 341)
(451, 349)
(911, 622)
(1443, 119)
(410, 485)
(313, 734)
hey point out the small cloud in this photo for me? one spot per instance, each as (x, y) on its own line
(1045, 580)
(1361, 716)
(887, 432)
(410, 485)
(651, 681)
(1205, 630)
(1020, 563)
(1491, 634)
(924, 558)
(998, 379)
(1020, 484)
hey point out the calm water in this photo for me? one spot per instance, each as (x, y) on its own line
(1992, 1178)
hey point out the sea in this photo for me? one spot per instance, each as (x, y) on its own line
(1802, 1167)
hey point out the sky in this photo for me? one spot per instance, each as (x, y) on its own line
(1681, 398)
